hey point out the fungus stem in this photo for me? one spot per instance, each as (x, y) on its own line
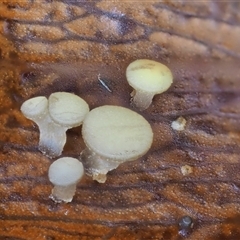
(63, 193)
(141, 100)
(52, 136)
(97, 166)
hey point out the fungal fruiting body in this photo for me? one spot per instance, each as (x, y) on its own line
(53, 117)
(186, 170)
(148, 78)
(64, 174)
(113, 135)
(186, 225)
(179, 124)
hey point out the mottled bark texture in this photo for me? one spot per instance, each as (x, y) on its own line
(70, 44)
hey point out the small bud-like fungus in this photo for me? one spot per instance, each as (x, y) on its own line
(186, 225)
(179, 124)
(113, 135)
(64, 174)
(148, 78)
(186, 170)
(54, 116)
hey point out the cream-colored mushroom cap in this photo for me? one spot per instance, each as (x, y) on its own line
(67, 109)
(65, 171)
(34, 107)
(149, 76)
(117, 133)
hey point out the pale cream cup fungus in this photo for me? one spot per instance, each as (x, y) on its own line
(64, 174)
(113, 135)
(54, 117)
(148, 78)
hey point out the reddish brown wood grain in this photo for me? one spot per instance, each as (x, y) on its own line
(58, 46)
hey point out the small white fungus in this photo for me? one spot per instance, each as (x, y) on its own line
(113, 135)
(148, 78)
(64, 174)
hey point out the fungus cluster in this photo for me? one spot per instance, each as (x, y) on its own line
(54, 116)
(112, 134)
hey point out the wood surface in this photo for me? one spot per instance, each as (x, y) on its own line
(49, 46)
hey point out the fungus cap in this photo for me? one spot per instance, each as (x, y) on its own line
(65, 171)
(117, 133)
(34, 107)
(67, 109)
(149, 76)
